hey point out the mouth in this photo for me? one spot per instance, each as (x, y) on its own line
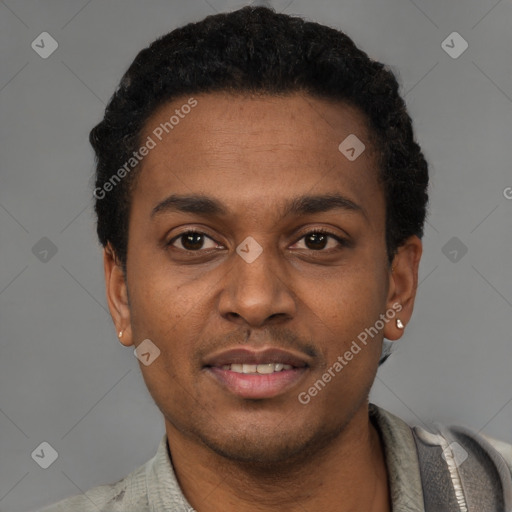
(260, 374)
(260, 369)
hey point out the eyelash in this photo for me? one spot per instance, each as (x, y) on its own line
(343, 242)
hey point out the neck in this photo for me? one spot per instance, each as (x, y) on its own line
(349, 474)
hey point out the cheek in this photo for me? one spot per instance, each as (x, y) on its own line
(157, 299)
(348, 308)
(358, 290)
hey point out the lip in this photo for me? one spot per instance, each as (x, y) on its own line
(253, 386)
(256, 386)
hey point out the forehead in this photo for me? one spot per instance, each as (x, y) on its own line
(242, 148)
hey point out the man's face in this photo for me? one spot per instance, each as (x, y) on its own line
(211, 299)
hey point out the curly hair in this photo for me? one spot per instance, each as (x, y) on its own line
(258, 51)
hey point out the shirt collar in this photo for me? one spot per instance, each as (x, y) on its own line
(164, 492)
(165, 495)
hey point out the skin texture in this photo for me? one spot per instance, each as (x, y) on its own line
(253, 154)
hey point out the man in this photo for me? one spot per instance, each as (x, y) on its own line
(260, 200)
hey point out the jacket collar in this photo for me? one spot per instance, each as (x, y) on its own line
(401, 460)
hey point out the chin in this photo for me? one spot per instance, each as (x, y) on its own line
(255, 450)
(268, 446)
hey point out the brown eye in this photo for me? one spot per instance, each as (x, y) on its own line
(192, 241)
(318, 240)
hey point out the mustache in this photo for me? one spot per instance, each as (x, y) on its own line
(270, 336)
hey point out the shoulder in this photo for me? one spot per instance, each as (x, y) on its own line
(456, 466)
(453, 438)
(126, 495)
(478, 467)
(448, 437)
(504, 449)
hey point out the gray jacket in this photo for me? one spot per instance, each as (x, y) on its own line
(452, 470)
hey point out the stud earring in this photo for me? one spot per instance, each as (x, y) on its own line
(120, 335)
(399, 323)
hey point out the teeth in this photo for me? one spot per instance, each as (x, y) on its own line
(263, 369)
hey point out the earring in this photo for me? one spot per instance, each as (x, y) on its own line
(120, 335)
(399, 323)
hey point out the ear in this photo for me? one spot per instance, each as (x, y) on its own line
(403, 283)
(117, 295)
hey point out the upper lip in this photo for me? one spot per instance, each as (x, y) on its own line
(250, 356)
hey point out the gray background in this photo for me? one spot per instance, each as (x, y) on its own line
(66, 380)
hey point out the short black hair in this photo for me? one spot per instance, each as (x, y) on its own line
(258, 51)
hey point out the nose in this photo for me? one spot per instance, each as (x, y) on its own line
(257, 293)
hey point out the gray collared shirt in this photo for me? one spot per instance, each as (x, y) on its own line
(153, 486)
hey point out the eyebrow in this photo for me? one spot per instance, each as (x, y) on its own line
(297, 206)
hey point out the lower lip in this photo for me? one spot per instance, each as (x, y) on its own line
(255, 386)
